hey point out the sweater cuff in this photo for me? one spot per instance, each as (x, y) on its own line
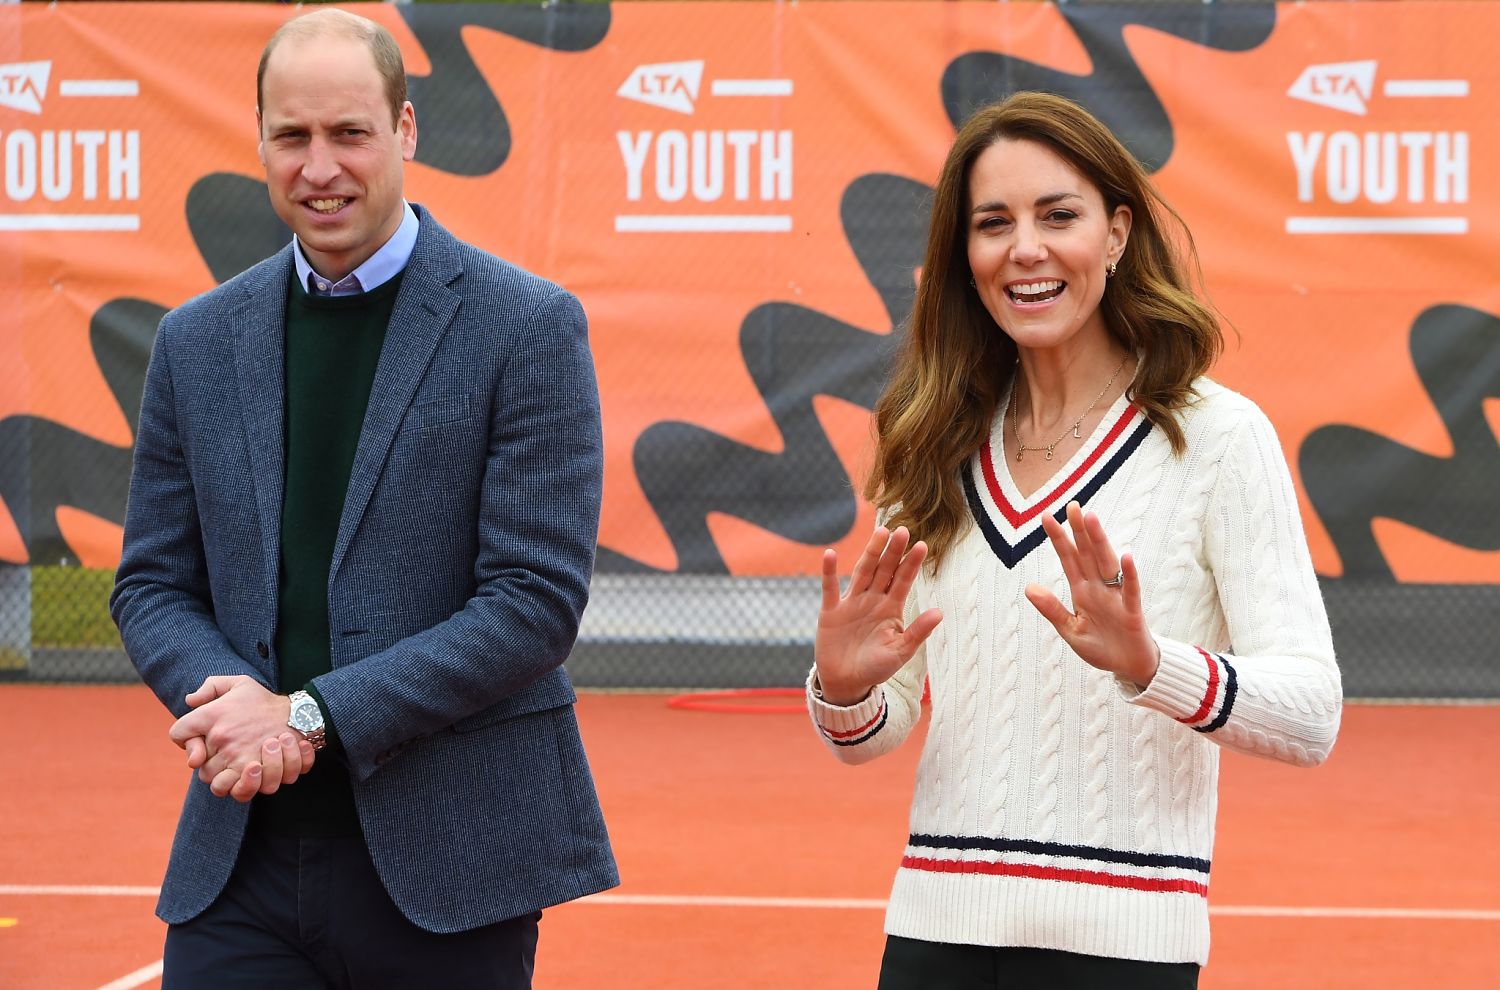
(330, 734)
(1190, 684)
(849, 726)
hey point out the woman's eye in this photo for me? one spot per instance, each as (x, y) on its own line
(1062, 216)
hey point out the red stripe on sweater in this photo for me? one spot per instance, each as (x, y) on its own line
(863, 728)
(1210, 695)
(1030, 871)
(1016, 519)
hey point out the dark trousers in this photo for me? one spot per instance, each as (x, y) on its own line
(910, 964)
(311, 914)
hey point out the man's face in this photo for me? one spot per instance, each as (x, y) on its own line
(333, 157)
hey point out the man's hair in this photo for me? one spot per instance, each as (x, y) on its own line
(332, 23)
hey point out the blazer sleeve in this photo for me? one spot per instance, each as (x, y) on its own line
(161, 600)
(538, 521)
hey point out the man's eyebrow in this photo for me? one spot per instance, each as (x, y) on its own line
(995, 206)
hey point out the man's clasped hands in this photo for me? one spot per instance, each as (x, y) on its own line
(238, 740)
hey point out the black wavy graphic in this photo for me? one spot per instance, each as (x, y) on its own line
(44, 465)
(795, 354)
(1354, 477)
(1116, 91)
(462, 127)
(463, 131)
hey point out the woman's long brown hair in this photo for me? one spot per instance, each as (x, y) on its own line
(951, 371)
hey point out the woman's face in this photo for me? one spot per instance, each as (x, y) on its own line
(1040, 239)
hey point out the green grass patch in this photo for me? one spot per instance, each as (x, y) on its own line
(70, 608)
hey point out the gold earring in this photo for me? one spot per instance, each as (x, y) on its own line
(1109, 270)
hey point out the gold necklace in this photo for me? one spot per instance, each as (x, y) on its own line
(1015, 417)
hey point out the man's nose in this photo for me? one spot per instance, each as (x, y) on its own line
(322, 165)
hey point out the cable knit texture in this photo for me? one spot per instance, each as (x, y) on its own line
(1057, 806)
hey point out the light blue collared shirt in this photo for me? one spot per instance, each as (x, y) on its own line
(381, 267)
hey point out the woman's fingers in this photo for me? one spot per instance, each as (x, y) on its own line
(830, 579)
(864, 567)
(921, 627)
(890, 560)
(1105, 560)
(1051, 608)
(907, 572)
(1067, 553)
(1131, 588)
(1087, 559)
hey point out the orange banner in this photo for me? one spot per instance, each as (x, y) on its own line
(737, 191)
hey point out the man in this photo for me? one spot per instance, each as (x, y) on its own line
(358, 543)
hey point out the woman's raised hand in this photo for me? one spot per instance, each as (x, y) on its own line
(1107, 626)
(861, 641)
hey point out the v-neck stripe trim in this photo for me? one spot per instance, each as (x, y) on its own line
(1019, 519)
(1010, 554)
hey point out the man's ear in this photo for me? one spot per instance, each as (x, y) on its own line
(260, 138)
(406, 129)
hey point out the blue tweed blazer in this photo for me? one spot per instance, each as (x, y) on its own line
(459, 574)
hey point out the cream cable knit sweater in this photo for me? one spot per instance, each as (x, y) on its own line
(1055, 805)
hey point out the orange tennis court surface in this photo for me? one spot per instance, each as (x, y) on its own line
(752, 860)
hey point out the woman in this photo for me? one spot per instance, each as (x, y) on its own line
(1049, 406)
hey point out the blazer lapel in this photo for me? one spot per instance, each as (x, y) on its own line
(259, 330)
(425, 306)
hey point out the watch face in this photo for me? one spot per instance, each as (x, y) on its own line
(305, 717)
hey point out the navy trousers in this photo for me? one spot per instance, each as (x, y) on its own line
(910, 964)
(311, 914)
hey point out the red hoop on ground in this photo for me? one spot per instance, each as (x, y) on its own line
(722, 702)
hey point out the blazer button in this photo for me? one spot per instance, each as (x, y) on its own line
(262, 649)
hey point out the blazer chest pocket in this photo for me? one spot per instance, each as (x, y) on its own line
(550, 692)
(437, 413)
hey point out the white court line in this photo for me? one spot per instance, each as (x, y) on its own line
(844, 903)
(98, 87)
(1254, 911)
(143, 975)
(1427, 87)
(75, 890)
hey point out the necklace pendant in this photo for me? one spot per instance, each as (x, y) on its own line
(1020, 453)
(1076, 434)
(1049, 452)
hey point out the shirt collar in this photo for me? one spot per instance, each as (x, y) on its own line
(382, 266)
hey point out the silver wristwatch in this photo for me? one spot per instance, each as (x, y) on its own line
(307, 718)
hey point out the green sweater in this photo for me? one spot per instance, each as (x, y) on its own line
(332, 347)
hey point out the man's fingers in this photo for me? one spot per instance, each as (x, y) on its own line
(271, 766)
(1051, 608)
(830, 579)
(197, 752)
(226, 779)
(248, 784)
(212, 688)
(291, 759)
(194, 723)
